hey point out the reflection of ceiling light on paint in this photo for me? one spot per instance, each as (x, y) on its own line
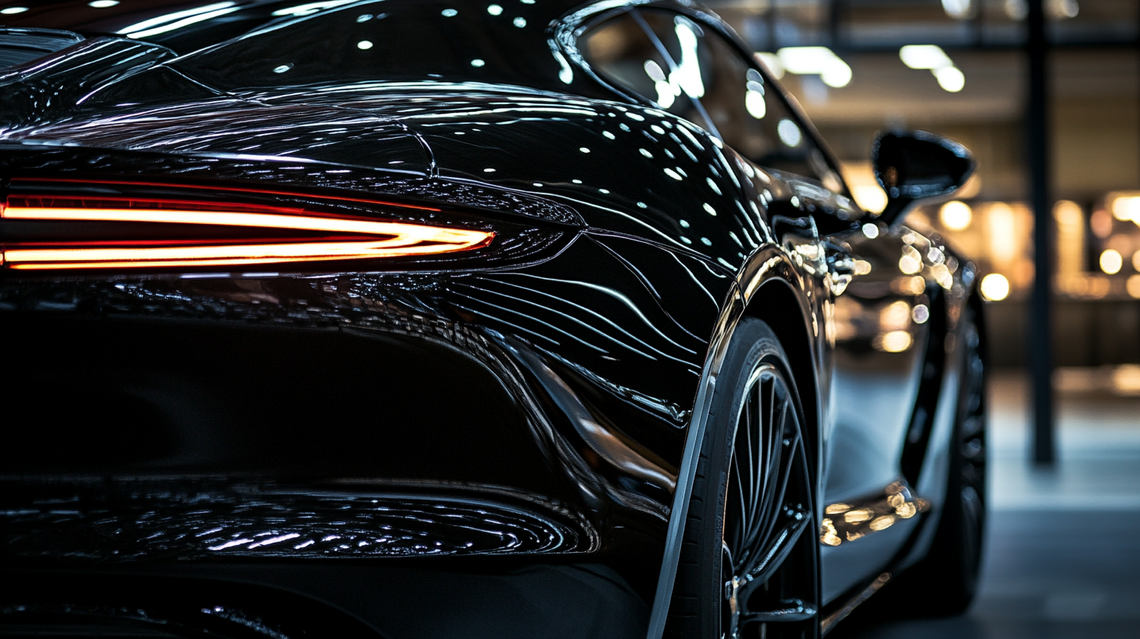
(11, 11)
(956, 215)
(895, 316)
(894, 342)
(310, 8)
(755, 104)
(177, 20)
(909, 265)
(920, 314)
(102, 4)
(995, 287)
(789, 133)
(754, 101)
(864, 188)
(816, 60)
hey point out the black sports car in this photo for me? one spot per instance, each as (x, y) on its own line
(409, 318)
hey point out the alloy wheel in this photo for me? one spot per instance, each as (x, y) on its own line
(769, 552)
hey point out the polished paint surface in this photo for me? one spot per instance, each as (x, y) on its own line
(533, 399)
(1061, 549)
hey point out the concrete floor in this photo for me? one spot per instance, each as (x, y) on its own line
(1063, 554)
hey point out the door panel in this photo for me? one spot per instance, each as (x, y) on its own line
(882, 329)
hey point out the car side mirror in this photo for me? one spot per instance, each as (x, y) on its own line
(915, 165)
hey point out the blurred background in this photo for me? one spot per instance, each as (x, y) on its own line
(959, 68)
(1063, 550)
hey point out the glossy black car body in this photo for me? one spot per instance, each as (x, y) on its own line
(496, 441)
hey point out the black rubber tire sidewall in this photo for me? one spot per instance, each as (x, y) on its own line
(694, 611)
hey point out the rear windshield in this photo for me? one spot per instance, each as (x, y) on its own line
(396, 40)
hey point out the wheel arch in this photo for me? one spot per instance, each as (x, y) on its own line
(770, 302)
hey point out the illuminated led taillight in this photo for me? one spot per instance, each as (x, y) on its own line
(318, 238)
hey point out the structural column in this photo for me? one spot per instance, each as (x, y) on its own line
(1040, 347)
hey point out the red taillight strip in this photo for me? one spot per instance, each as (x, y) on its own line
(223, 218)
(388, 239)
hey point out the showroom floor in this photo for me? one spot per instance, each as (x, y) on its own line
(1063, 556)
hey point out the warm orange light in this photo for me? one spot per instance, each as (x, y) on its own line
(383, 240)
(224, 218)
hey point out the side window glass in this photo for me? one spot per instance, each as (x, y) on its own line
(691, 72)
(626, 51)
(709, 83)
(620, 50)
(682, 90)
(753, 118)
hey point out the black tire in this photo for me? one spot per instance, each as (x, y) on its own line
(945, 581)
(750, 556)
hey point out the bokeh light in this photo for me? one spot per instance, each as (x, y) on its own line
(995, 287)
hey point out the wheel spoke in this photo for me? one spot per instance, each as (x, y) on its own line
(771, 468)
(739, 523)
(751, 466)
(762, 569)
(787, 468)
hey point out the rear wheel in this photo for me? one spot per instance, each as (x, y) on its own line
(750, 561)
